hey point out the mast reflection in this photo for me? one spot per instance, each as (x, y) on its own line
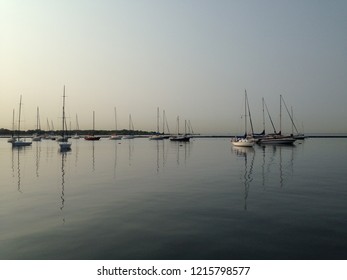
(247, 177)
(37, 157)
(64, 155)
(277, 164)
(18, 172)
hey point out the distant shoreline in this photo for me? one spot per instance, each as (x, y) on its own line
(206, 136)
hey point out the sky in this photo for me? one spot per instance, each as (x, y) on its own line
(192, 58)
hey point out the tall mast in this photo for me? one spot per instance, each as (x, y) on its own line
(13, 123)
(263, 115)
(163, 121)
(280, 113)
(115, 117)
(267, 110)
(20, 109)
(249, 113)
(37, 119)
(158, 120)
(77, 126)
(291, 108)
(245, 112)
(129, 122)
(93, 121)
(63, 132)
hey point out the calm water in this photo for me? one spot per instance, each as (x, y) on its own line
(140, 199)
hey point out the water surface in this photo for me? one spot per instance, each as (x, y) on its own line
(140, 199)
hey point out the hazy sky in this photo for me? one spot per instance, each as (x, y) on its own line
(193, 58)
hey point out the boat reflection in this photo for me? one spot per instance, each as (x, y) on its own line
(248, 154)
(17, 153)
(64, 156)
(282, 157)
(37, 157)
(182, 147)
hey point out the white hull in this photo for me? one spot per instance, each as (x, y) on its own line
(115, 137)
(180, 138)
(128, 137)
(157, 137)
(242, 143)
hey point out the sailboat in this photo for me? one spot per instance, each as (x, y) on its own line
(244, 141)
(157, 136)
(92, 137)
(19, 142)
(64, 141)
(36, 136)
(131, 130)
(180, 137)
(76, 136)
(115, 136)
(277, 138)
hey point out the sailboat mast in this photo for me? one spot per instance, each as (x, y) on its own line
(280, 113)
(263, 115)
(93, 121)
(249, 113)
(63, 132)
(157, 120)
(13, 122)
(245, 113)
(37, 118)
(129, 122)
(267, 110)
(290, 116)
(163, 121)
(291, 108)
(185, 127)
(20, 109)
(115, 118)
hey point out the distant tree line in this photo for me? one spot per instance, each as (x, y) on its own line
(4, 131)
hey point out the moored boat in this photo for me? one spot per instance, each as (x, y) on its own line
(64, 143)
(244, 141)
(92, 137)
(17, 142)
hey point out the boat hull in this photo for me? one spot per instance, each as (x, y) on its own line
(277, 141)
(242, 143)
(115, 137)
(92, 138)
(65, 146)
(180, 139)
(20, 143)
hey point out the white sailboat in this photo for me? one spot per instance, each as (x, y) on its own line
(115, 136)
(18, 142)
(244, 141)
(64, 141)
